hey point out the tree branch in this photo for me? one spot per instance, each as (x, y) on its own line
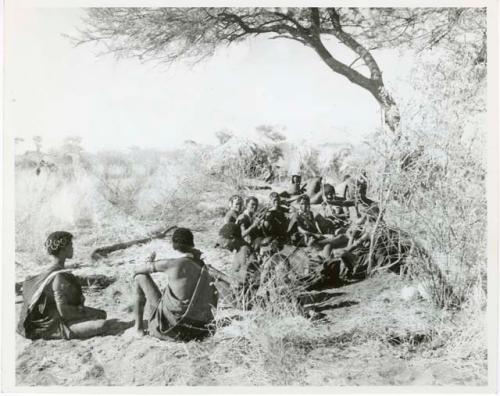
(350, 42)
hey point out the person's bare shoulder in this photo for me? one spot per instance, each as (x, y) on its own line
(60, 280)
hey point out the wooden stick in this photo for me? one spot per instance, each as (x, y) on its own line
(105, 250)
(219, 275)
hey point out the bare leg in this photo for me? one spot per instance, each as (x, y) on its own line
(316, 198)
(327, 250)
(335, 243)
(145, 290)
(89, 328)
(94, 313)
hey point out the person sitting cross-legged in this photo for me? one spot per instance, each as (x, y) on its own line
(184, 310)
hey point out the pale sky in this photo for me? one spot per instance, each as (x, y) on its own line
(54, 90)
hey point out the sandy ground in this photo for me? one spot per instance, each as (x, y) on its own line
(375, 332)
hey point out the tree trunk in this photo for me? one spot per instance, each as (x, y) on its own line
(389, 107)
(374, 84)
(375, 87)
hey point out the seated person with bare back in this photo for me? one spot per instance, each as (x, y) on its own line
(235, 208)
(184, 310)
(53, 305)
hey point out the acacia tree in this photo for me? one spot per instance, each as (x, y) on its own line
(167, 34)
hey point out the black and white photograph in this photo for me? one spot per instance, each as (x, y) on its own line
(245, 197)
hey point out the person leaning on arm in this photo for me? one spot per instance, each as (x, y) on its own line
(183, 310)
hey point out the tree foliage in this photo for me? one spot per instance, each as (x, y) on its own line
(167, 34)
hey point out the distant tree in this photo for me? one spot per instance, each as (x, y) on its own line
(167, 34)
(72, 145)
(18, 140)
(223, 135)
(271, 132)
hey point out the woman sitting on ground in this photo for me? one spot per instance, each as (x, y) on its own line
(53, 305)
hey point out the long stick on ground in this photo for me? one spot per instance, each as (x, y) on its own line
(105, 250)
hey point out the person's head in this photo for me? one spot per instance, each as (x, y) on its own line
(304, 203)
(296, 179)
(182, 240)
(236, 203)
(60, 244)
(251, 204)
(346, 177)
(329, 192)
(275, 200)
(229, 236)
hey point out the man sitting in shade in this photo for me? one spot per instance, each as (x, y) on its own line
(184, 310)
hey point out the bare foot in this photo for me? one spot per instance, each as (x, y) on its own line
(134, 332)
(139, 332)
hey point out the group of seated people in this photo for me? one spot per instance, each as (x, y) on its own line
(54, 304)
(341, 225)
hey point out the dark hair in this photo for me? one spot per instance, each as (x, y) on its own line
(304, 198)
(328, 188)
(298, 177)
(182, 240)
(57, 241)
(250, 199)
(230, 230)
(346, 177)
(235, 196)
(274, 194)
